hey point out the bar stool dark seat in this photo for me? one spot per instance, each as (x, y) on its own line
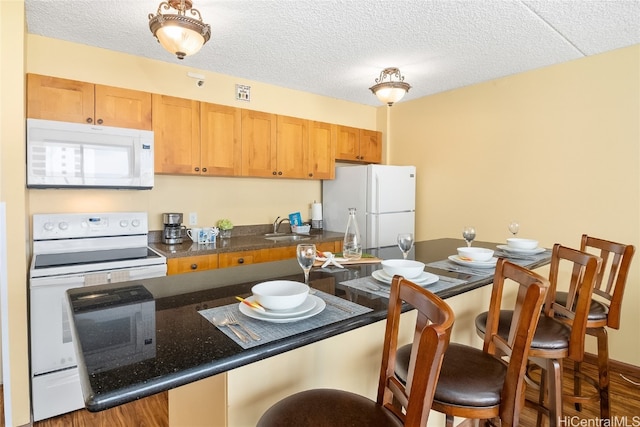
(480, 384)
(397, 404)
(561, 329)
(604, 311)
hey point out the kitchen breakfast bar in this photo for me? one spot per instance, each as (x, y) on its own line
(138, 338)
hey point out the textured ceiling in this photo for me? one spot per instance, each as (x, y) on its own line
(337, 48)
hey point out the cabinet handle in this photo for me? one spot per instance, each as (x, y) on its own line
(274, 172)
(194, 266)
(100, 121)
(204, 169)
(197, 169)
(240, 260)
(279, 172)
(89, 120)
(310, 175)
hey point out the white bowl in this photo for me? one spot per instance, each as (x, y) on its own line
(518, 243)
(280, 294)
(475, 254)
(407, 268)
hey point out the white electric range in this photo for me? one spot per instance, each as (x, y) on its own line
(71, 251)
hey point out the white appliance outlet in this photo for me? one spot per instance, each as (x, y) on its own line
(193, 218)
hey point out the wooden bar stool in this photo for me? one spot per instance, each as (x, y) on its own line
(604, 311)
(397, 404)
(481, 384)
(561, 329)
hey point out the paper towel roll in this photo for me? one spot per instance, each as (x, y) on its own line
(316, 211)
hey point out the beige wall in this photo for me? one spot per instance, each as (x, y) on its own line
(12, 191)
(556, 148)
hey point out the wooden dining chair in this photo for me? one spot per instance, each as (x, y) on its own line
(561, 329)
(396, 404)
(604, 311)
(481, 384)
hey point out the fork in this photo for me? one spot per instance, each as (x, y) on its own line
(233, 320)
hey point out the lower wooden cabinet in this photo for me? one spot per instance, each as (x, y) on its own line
(191, 264)
(234, 259)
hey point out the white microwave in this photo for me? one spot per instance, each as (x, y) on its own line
(73, 155)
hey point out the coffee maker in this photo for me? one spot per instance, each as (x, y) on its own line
(174, 231)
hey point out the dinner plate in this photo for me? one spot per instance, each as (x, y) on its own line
(308, 305)
(319, 305)
(478, 264)
(508, 248)
(423, 279)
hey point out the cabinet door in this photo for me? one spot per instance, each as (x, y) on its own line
(348, 144)
(283, 252)
(120, 107)
(234, 259)
(258, 144)
(220, 145)
(322, 147)
(292, 147)
(370, 146)
(51, 98)
(176, 125)
(191, 264)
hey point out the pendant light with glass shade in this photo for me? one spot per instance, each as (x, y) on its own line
(178, 33)
(389, 90)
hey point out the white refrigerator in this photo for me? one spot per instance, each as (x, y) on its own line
(384, 197)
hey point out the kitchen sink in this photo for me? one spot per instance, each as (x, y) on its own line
(287, 238)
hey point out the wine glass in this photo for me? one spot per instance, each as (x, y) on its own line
(469, 234)
(514, 227)
(405, 243)
(306, 253)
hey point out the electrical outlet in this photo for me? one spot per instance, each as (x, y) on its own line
(243, 93)
(193, 218)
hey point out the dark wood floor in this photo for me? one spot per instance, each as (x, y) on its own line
(153, 411)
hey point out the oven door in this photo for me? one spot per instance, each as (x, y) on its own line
(51, 343)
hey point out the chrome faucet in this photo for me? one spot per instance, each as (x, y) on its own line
(277, 222)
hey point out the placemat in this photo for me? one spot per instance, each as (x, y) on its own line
(370, 285)
(337, 309)
(447, 265)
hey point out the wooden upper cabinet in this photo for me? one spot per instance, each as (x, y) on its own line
(221, 144)
(176, 126)
(370, 146)
(322, 148)
(348, 144)
(292, 148)
(53, 98)
(259, 154)
(359, 145)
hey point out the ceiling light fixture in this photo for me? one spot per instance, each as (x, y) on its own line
(179, 34)
(389, 90)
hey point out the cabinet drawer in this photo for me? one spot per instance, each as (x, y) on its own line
(234, 259)
(191, 264)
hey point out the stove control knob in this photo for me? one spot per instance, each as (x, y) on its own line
(124, 223)
(63, 225)
(48, 226)
(135, 223)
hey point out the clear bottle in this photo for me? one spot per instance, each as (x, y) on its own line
(352, 245)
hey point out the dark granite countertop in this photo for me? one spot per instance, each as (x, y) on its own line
(189, 348)
(243, 238)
